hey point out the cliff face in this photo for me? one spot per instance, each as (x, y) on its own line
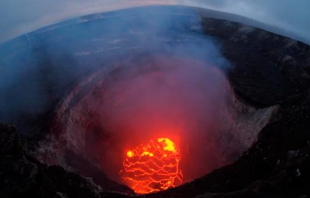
(266, 70)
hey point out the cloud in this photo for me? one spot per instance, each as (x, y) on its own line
(291, 16)
(18, 17)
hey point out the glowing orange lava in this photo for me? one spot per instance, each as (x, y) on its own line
(152, 167)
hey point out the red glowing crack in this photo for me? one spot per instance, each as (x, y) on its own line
(152, 167)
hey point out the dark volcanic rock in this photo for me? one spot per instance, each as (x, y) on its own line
(22, 176)
(85, 168)
(277, 165)
(268, 69)
(16, 172)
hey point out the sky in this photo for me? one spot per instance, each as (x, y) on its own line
(20, 16)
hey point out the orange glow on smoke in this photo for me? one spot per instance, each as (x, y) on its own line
(152, 167)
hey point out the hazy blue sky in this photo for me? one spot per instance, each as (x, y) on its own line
(21, 16)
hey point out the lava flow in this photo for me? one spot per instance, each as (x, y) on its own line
(152, 167)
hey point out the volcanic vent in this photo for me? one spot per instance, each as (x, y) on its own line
(153, 123)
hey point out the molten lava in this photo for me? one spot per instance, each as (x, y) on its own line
(152, 167)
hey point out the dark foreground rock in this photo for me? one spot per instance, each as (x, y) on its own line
(22, 176)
